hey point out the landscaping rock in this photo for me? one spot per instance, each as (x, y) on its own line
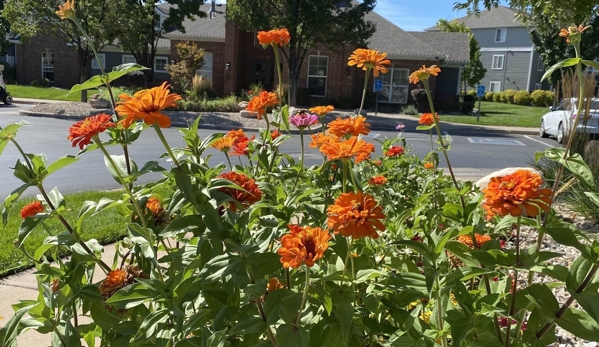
(243, 104)
(484, 182)
(248, 114)
(98, 102)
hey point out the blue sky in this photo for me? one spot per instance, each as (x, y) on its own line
(416, 15)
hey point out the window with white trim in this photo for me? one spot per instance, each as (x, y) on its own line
(538, 86)
(102, 59)
(395, 85)
(160, 64)
(497, 62)
(495, 87)
(48, 66)
(128, 59)
(206, 69)
(540, 65)
(500, 35)
(317, 74)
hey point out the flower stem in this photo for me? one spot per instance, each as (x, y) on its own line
(304, 298)
(344, 177)
(280, 88)
(349, 248)
(518, 223)
(441, 142)
(168, 148)
(25, 157)
(302, 142)
(364, 91)
(228, 160)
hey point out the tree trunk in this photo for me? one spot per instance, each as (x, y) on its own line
(82, 79)
(293, 81)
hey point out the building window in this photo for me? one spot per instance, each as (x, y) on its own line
(538, 86)
(500, 35)
(102, 59)
(160, 64)
(592, 69)
(206, 70)
(395, 85)
(317, 75)
(540, 65)
(48, 66)
(128, 59)
(497, 62)
(495, 87)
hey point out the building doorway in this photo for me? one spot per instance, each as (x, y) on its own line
(264, 73)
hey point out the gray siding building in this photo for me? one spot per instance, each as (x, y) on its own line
(507, 51)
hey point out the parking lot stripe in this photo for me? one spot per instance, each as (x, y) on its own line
(539, 141)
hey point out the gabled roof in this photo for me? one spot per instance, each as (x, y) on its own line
(201, 28)
(499, 17)
(455, 45)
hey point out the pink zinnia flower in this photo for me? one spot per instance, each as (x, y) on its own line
(303, 120)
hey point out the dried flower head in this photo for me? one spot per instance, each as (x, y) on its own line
(357, 215)
(573, 33)
(517, 194)
(424, 73)
(369, 59)
(120, 278)
(147, 105)
(304, 246)
(55, 285)
(67, 10)
(274, 284)
(32, 209)
(82, 132)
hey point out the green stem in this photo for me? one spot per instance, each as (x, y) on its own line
(228, 160)
(304, 298)
(440, 312)
(518, 223)
(25, 157)
(364, 91)
(279, 73)
(64, 254)
(322, 123)
(168, 148)
(441, 142)
(302, 142)
(349, 248)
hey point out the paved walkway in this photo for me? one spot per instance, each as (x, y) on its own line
(23, 286)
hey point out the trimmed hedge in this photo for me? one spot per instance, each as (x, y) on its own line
(489, 96)
(542, 98)
(497, 97)
(522, 97)
(507, 96)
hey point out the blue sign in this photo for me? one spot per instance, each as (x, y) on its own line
(378, 85)
(480, 91)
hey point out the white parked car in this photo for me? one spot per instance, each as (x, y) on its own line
(560, 119)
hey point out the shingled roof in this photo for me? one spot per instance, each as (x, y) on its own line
(455, 45)
(201, 28)
(499, 17)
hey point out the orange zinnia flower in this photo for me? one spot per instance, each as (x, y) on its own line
(246, 197)
(120, 278)
(261, 102)
(236, 134)
(573, 32)
(395, 151)
(378, 180)
(82, 132)
(321, 110)
(223, 144)
(274, 134)
(424, 73)
(352, 126)
(348, 149)
(303, 247)
(274, 37)
(427, 119)
(356, 214)
(67, 10)
(516, 194)
(147, 105)
(480, 239)
(319, 139)
(32, 209)
(241, 146)
(274, 284)
(369, 59)
(429, 165)
(155, 206)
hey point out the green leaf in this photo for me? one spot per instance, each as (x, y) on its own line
(285, 116)
(121, 166)
(591, 63)
(425, 127)
(577, 273)
(55, 198)
(97, 81)
(60, 163)
(9, 132)
(183, 225)
(543, 298)
(369, 274)
(140, 238)
(217, 339)
(579, 323)
(290, 305)
(152, 323)
(575, 164)
(344, 314)
(272, 304)
(248, 326)
(28, 225)
(290, 336)
(105, 320)
(8, 333)
(559, 65)
(133, 295)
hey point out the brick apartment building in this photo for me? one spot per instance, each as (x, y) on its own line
(234, 60)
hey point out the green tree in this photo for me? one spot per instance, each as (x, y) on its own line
(30, 18)
(474, 71)
(310, 23)
(139, 31)
(4, 32)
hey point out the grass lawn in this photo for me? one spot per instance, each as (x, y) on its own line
(50, 93)
(106, 227)
(496, 113)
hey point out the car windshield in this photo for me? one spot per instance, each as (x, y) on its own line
(594, 104)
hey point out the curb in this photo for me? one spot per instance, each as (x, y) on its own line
(468, 129)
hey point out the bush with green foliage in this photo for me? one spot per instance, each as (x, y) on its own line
(117, 91)
(190, 60)
(228, 104)
(468, 104)
(9, 73)
(420, 100)
(538, 98)
(522, 97)
(201, 88)
(549, 97)
(42, 82)
(411, 110)
(489, 96)
(497, 96)
(507, 96)
(471, 92)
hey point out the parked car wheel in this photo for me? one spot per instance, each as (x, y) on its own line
(8, 100)
(560, 133)
(542, 132)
